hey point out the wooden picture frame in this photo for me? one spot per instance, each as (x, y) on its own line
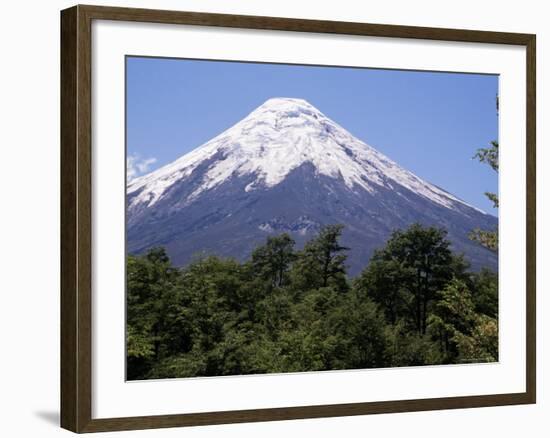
(76, 218)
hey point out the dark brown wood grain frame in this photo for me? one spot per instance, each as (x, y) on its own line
(76, 217)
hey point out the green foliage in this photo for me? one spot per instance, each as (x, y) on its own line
(485, 292)
(405, 276)
(488, 238)
(493, 197)
(481, 344)
(464, 335)
(272, 260)
(322, 261)
(489, 155)
(153, 295)
(408, 348)
(289, 311)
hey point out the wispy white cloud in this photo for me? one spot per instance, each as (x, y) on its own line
(137, 166)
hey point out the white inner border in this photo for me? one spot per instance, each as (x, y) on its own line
(113, 397)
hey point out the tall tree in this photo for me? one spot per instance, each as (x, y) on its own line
(322, 261)
(405, 275)
(272, 260)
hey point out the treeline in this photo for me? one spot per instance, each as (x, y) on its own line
(286, 310)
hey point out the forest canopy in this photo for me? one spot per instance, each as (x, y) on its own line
(290, 310)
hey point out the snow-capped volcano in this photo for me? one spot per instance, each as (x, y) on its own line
(269, 169)
(276, 138)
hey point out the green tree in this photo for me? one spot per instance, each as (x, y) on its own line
(405, 276)
(463, 334)
(408, 348)
(485, 292)
(152, 295)
(329, 330)
(360, 327)
(481, 345)
(385, 280)
(322, 261)
(272, 261)
(214, 302)
(452, 314)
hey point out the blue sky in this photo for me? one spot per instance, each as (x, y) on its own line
(430, 123)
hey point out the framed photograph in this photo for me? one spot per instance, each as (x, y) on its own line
(270, 218)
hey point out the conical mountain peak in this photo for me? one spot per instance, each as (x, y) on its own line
(282, 113)
(278, 137)
(284, 104)
(276, 101)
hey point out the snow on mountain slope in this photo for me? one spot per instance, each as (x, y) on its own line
(276, 138)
